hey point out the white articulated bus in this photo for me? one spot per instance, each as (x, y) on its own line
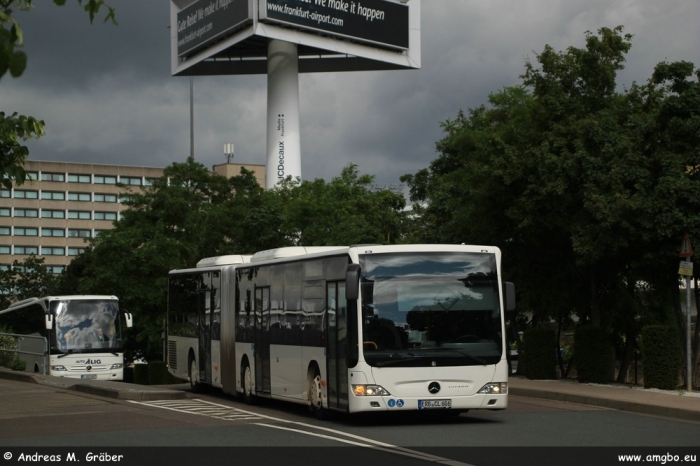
(68, 336)
(349, 329)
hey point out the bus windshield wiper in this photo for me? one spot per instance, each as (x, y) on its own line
(66, 353)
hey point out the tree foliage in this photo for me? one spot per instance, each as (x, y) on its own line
(588, 190)
(28, 278)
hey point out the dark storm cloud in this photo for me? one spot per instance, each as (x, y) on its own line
(107, 95)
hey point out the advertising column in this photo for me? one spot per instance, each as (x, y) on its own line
(283, 141)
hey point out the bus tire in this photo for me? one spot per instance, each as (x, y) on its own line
(247, 383)
(316, 395)
(195, 385)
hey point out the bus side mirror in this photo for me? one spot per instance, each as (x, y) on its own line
(352, 282)
(509, 296)
(129, 318)
(48, 321)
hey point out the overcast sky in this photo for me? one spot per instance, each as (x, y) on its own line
(107, 95)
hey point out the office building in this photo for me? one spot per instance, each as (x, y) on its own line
(64, 204)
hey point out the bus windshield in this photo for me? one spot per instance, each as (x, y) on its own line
(423, 309)
(87, 326)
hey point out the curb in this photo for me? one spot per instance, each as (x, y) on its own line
(130, 394)
(125, 392)
(621, 405)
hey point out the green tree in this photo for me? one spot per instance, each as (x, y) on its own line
(15, 127)
(340, 212)
(28, 278)
(585, 189)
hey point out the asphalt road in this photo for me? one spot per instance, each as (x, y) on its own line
(41, 417)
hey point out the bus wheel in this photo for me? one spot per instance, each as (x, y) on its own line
(195, 385)
(316, 396)
(248, 385)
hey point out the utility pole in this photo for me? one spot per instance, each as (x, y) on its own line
(686, 269)
(192, 117)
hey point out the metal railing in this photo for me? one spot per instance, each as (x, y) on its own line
(19, 339)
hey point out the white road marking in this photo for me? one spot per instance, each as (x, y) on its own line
(219, 411)
(202, 408)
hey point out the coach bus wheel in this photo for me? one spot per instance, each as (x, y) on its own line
(248, 385)
(194, 376)
(316, 396)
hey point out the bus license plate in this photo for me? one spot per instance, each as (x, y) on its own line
(434, 404)
(88, 376)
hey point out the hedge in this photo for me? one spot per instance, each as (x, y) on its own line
(592, 354)
(539, 353)
(661, 357)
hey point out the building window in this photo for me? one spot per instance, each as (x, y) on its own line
(73, 233)
(149, 181)
(102, 179)
(5, 249)
(55, 268)
(74, 178)
(23, 231)
(33, 213)
(79, 214)
(4, 212)
(26, 250)
(32, 176)
(131, 180)
(4, 193)
(4, 267)
(75, 251)
(97, 233)
(26, 194)
(4, 231)
(53, 195)
(105, 216)
(48, 213)
(53, 177)
(82, 197)
(53, 232)
(49, 251)
(105, 198)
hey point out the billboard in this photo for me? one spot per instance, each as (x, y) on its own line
(207, 21)
(375, 22)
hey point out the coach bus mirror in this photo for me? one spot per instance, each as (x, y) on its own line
(352, 282)
(509, 296)
(49, 321)
(128, 317)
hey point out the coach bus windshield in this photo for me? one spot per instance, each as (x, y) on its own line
(427, 309)
(87, 326)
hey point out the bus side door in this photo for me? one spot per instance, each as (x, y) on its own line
(337, 345)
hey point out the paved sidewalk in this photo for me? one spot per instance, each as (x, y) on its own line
(674, 404)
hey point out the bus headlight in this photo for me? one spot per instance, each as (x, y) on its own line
(58, 368)
(497, 388)
(116, 366)
(369, 390)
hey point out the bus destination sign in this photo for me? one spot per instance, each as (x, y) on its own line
(206, 21)
(373, 22)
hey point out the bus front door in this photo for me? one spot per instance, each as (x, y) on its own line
(337, 346)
